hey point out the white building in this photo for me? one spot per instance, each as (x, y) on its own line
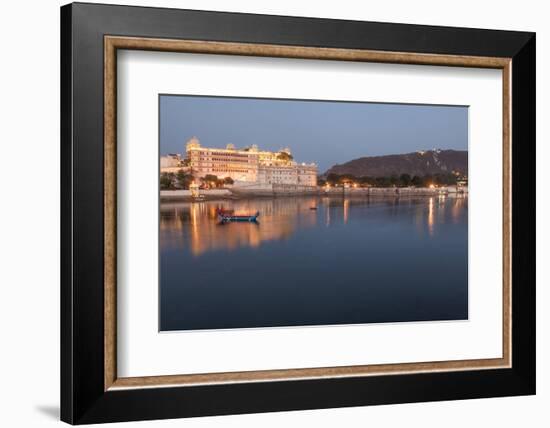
(172, 160)
(277, 174)
(249, 165)
(307, 174)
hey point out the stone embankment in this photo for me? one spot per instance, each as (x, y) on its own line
(279, 190)
(392, 191)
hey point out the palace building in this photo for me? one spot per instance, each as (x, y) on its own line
(249, 165)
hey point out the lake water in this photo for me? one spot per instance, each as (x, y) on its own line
(349, 261)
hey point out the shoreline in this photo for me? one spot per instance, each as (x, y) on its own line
(167, 196)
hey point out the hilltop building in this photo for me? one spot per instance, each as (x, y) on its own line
(249, 165)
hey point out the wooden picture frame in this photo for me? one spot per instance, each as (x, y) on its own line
(91, 390)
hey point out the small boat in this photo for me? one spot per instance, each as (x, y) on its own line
(312, 208)
(226, 217)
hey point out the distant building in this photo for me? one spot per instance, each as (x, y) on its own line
(249, 165)
(277, 174)
(307, 174)
(172, 160)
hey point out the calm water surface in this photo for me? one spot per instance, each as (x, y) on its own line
(349, 261)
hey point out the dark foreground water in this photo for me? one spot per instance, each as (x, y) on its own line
(349, 261)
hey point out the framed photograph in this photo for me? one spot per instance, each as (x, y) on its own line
(266, 213)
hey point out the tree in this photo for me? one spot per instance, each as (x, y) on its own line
(416, 181)
(184, 179)
(347, 178)
(167, 180)
(405, 179)
(180, 175)
(445, 179)
(228, 180)
(210, 180)
(383, 181)
(333, 178)
(367, 181)
(284, 156)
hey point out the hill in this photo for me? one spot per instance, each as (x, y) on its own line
(419, 163)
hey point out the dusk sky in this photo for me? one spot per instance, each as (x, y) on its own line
(324, 132)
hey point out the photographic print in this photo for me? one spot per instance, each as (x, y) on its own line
(283, 210)
(289, 212)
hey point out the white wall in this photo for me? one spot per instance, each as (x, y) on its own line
(29, 226)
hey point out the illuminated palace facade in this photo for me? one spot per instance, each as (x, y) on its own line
(249, 165)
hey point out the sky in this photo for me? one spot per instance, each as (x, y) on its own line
(324, 132)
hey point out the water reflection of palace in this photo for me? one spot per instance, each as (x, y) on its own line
(194, 225)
